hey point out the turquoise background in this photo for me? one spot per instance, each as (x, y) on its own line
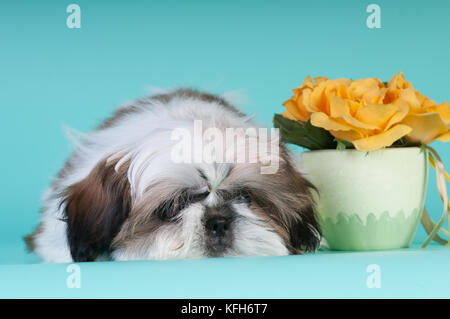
(52, 76)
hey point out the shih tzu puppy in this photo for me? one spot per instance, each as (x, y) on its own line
(131, 191)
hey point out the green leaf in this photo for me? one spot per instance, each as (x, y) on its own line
(304, 134)
(342, 145)
(400, 142)
(403, 142)
(423, 148)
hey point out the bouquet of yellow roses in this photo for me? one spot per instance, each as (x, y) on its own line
(368, 115)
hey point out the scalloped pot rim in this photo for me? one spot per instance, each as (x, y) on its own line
(390, 149)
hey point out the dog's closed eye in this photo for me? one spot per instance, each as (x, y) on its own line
(170, 209)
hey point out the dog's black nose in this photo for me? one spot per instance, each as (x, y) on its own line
(217, 226)
(219, 235)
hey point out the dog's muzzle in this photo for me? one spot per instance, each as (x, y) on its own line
(218, 230)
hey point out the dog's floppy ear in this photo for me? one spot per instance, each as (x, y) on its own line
(285, 197)
(95, 209)
(305, 233)
(304, 230)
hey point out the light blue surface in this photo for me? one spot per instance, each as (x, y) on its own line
(51, 75)
(410, 273)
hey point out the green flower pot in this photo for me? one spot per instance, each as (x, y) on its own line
(368, 201)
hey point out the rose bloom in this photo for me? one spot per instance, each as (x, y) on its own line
(369, 113)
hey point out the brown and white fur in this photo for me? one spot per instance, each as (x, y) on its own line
(120, 197)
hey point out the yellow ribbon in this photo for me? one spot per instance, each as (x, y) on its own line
(433, 228)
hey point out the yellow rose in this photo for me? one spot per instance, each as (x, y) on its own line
(427, 120)
(369, 113)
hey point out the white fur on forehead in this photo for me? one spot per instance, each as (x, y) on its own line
(151, 161)
(143, 137)
(152, 120)
(215, 173)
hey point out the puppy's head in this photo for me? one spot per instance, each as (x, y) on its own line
(190, 210)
